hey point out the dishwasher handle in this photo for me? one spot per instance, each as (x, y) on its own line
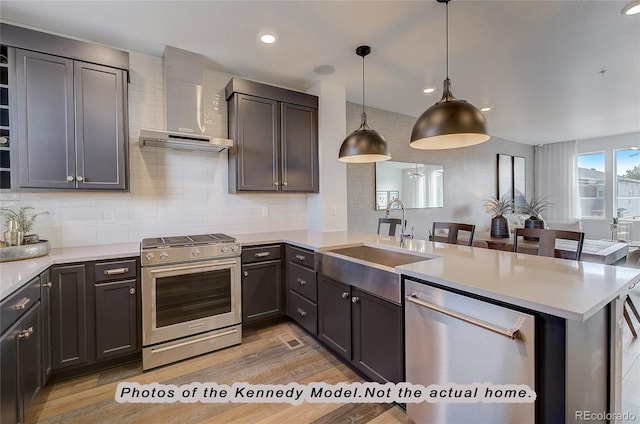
(511, 333)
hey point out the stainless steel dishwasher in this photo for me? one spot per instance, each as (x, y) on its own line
(455, 339)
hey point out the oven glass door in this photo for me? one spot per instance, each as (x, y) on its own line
(184, 299)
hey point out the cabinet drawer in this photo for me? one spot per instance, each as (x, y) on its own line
(302, 280)
(300, 256)
(260, 253)
(18, 303)
(119, 270)
(303, 312)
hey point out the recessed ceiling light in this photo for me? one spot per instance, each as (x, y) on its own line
(324, 70)
(632, 8)
(485, 109)
(268, 38)
(429, 90)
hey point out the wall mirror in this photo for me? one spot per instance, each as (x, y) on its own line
(418, 185)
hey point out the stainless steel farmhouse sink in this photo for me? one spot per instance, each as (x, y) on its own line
(366, 267)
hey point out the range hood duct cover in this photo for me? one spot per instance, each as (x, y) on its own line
(184, 110)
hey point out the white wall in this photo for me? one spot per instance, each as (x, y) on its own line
(172, 193)
(600, 228)
(327, 210)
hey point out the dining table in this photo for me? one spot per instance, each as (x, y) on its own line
(599, 251)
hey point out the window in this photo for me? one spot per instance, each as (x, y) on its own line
(591, 184)
(627, 183)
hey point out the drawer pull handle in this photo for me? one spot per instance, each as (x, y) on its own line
(302, 313)
(25, 334)
(262, 254)
(47, 284)
(116, 271)
(245, 273)
(345, 295)
(301, 281)
(23, 304)
(132, 291)
(355, 299)
(300, 257)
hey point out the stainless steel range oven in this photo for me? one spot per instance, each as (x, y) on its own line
(191, 296)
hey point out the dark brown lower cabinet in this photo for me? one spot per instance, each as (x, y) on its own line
(69, 316)
(262, 292)
(116, 323)
(21, 366)
(378, 337)
(334, 315)
(95, 315)
(362, 328)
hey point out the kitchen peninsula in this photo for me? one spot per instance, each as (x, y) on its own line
(577, 296)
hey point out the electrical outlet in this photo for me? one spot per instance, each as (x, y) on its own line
(333, 210)
(108, 216)
(265, 211)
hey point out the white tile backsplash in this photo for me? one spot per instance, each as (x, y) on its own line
(171, 192)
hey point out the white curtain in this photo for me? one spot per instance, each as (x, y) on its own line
(557, 177)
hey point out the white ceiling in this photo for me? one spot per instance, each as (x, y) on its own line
(537, 63)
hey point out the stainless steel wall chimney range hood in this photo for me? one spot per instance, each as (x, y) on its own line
(184, 106)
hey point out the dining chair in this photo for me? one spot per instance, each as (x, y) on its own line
(393, 224)
(633, 260)
(449, 232)
(570, 246)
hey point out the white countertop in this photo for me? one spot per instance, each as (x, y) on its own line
(14, 275)
(568, 289)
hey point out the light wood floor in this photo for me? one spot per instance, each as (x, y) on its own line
(262, 358)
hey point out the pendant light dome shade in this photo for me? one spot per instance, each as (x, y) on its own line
(364, 145)
(450, 123)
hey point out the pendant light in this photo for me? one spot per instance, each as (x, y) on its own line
(364, 145)
(451, 122)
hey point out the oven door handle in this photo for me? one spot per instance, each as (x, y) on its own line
(189, 267)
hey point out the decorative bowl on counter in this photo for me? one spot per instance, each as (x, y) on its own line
(26, 251)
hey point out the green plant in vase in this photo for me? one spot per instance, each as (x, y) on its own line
(498, 208)
(534, 207)
(24, 221)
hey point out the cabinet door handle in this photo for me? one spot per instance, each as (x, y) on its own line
(345, 295)
(132, 291)
(262, 254)
(301, 281)
(23, 304)
(300, 257)
(275, 183)
(116, 271)
(80, 178)
(70, 178)
(47, 284)
(301, 312)
(355, 299)
(284, 183)
(25, 334)
(245, 273)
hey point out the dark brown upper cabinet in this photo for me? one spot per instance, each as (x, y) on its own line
(68, 110)
(71, 116)
(275, 133)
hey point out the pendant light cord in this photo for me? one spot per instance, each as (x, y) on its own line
(363, 118)
(447, 36)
